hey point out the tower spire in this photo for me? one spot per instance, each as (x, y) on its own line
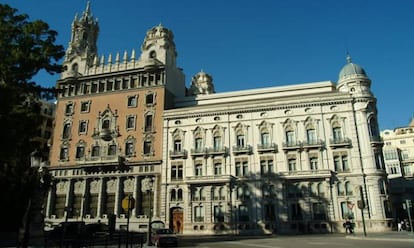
(82, 47)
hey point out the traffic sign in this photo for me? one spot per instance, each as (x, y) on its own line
(128, 203)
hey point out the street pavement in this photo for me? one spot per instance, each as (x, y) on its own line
(371, 240)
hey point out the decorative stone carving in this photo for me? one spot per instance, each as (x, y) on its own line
(111, 186)
(78, 187)
(95, 186)
(61, 187)
(129, 185)
(202, 83)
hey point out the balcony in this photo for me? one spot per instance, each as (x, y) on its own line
(247, 149)
(340, 142)
(178, 154)
(262, 148)
(307, 174)
(218, 151)
(292, 145)
(313, 144)
(376, 141)
(199, 152)
(209, 179)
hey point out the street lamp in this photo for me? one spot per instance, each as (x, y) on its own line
(34, 217)
(147, 186)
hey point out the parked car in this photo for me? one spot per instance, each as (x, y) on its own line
(164, 237)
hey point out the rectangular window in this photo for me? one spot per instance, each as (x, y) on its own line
(265, 139)
(337, 134)
(313, 163)
(218, 214)
(177, 146)
(238, 169)
(83, 126)
(85, 107)
(311, 136)
(112, 150)
(64, 153)
(129, 149)
(132, 101)
(217, 169)
(245, 168)
(198, 214)
(176, 172)
(147, 147)
(292, 164)
(80, 152)
(217, 143)
(95, 151)
(149, 99)
(198, 170)
(198, 144)
(69, 108)
(240, 141)
(148, 123)
(290, 138)
(130, 122)
(106, 124)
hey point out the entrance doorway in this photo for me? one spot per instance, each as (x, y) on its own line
(177, 220)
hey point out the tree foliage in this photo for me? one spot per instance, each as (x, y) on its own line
(26, 47)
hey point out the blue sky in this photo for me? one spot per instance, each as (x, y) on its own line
(251, 44)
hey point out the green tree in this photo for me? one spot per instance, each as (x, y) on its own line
(26, 47)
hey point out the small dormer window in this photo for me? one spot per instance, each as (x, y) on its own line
(153, 55)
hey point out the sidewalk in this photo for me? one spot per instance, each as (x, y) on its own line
(388, 236)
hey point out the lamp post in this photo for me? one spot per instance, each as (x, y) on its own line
(147, 186)
(34, 218)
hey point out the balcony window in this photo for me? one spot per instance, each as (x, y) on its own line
(265, 139)
(217, 169)
(240, 141)
(198, 144)
(217, 143)
(106, 124)
(311, 136)
(337, 134)
(290, 138)
(177, 145)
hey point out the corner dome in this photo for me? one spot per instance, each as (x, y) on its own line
(351, 69)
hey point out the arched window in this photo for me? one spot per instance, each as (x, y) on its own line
(341, 189)
(348, 188)
(179, 194)
(173, 195)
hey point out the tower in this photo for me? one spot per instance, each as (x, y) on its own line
(82, 47)
(353, 79)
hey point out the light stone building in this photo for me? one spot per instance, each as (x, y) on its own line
(399, 161)
(286, 159)
(283, 159)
